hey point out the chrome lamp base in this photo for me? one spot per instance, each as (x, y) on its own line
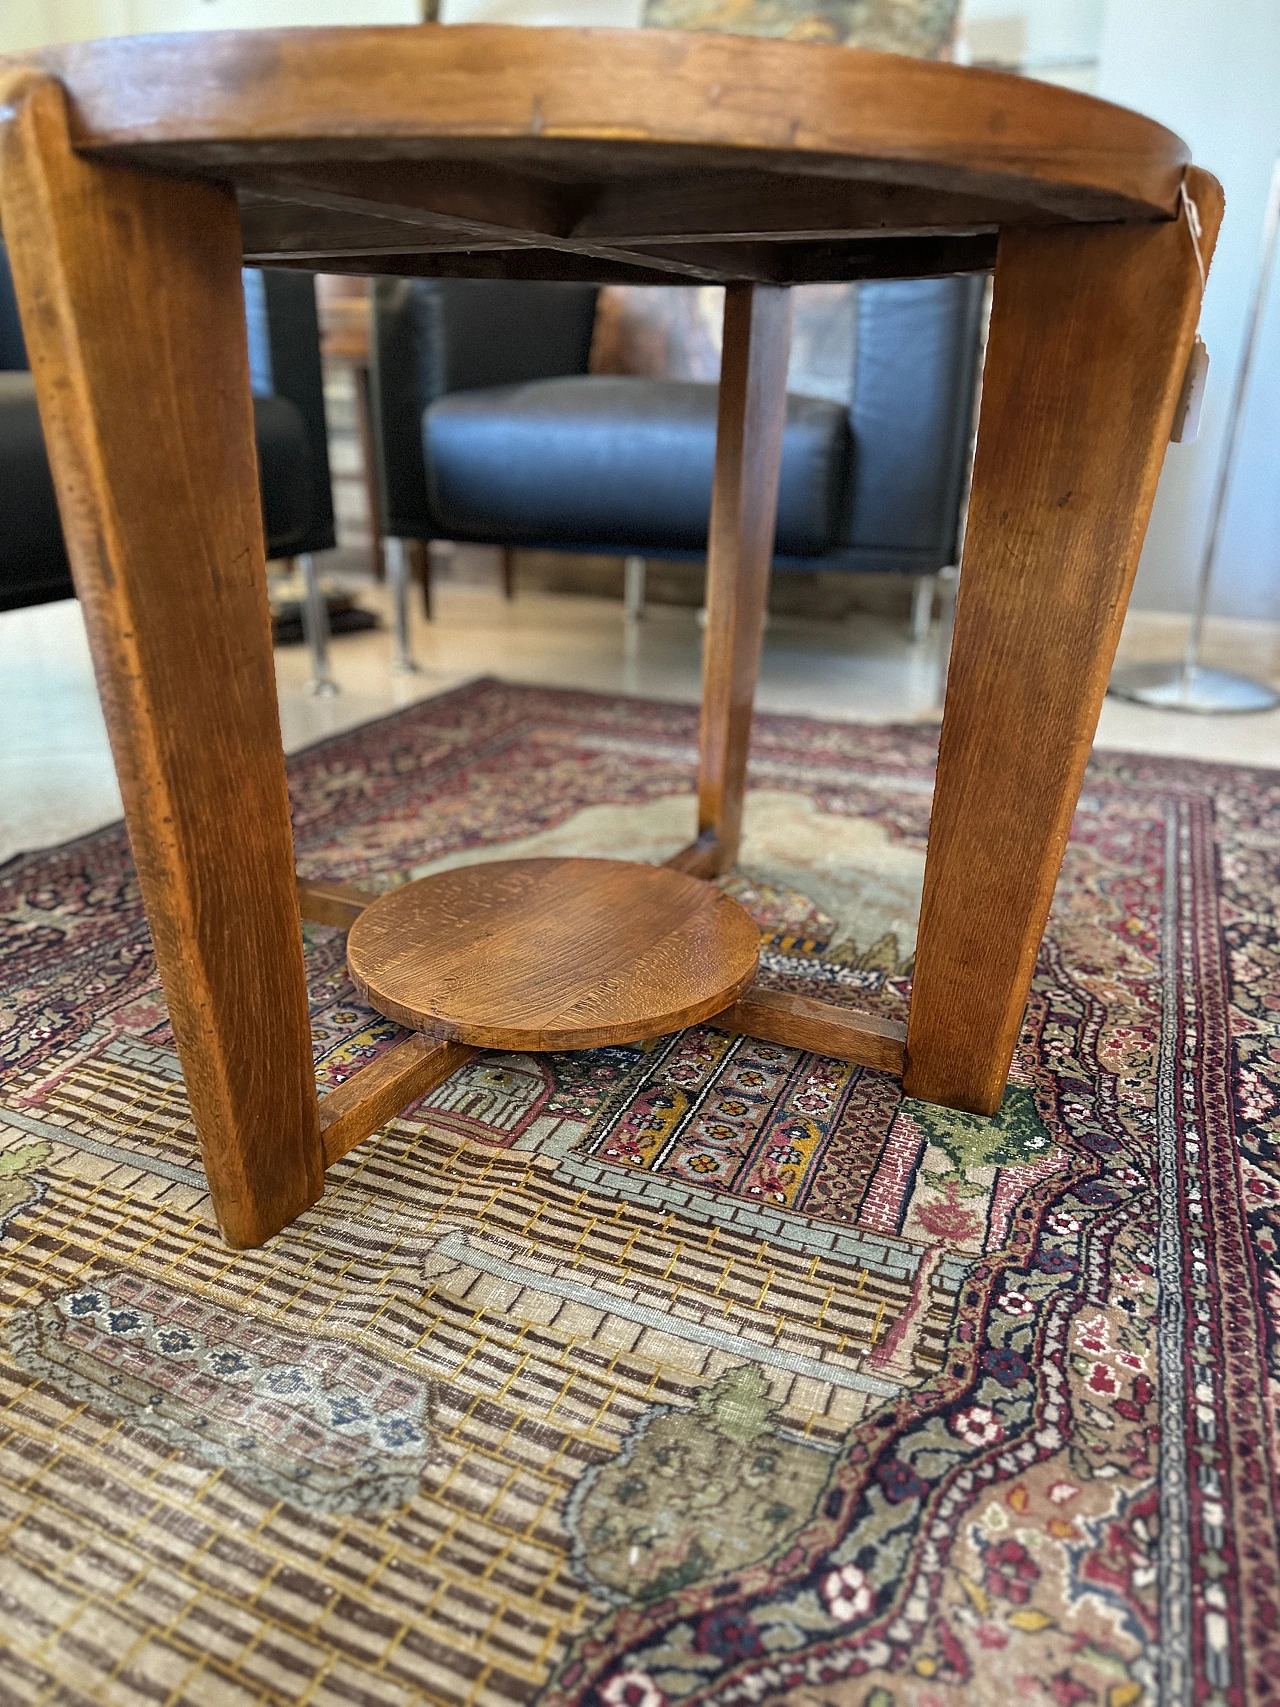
(1173, 687)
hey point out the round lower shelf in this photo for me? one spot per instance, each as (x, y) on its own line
(553, 953)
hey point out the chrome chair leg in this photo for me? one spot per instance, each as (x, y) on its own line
(633, 578)
(315, 629)
(402, 661)
(948, 586)
(922, 605)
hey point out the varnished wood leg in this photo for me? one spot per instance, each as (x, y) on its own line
(508, 573)
(1090, 334)
(744, 508)
(129, 289)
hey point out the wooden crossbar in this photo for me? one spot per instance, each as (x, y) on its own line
(378, 1092)
(700, 858)
(776, 1016)
(337, 904)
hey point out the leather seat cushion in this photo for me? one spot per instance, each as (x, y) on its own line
(618, 463)
(33, 559)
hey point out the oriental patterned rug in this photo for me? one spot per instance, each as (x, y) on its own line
(701, 1371)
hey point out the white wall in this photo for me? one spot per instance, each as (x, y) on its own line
(1044, 35)
(23, 24)
(254, 14)
(600, 14)
(41, 23)
(1210, 70)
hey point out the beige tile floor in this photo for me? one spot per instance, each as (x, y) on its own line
(56, 778)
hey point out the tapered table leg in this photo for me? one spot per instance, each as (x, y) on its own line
(1090, 334)
(744, 508)
(129, 289)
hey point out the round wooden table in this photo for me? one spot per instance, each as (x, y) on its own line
(137, 175)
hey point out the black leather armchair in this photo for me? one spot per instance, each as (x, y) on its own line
(490, 429)
(288, 406)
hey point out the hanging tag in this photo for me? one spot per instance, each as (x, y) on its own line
(1186, 417)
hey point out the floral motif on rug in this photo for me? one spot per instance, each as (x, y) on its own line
(698, 1371)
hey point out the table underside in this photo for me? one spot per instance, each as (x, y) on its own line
(640, 156)
(678, 220)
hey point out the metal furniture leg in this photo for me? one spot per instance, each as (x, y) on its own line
(633, 579)
(398, 578)
(315, 629)
(922, 590)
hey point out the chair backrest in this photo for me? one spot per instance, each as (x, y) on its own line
(435, 336)
(284, 361)
(284, 351)
(914, 375)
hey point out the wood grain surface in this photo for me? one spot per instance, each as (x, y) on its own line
(552, 953)
(1090, 335)
(702, 858)
(799, 1022)
(611, 153)
(781, 263)
(339, 904)
(129, 288)
(744, 510)
(355, 1109)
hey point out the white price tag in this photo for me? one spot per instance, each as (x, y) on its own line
(1186, 417)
